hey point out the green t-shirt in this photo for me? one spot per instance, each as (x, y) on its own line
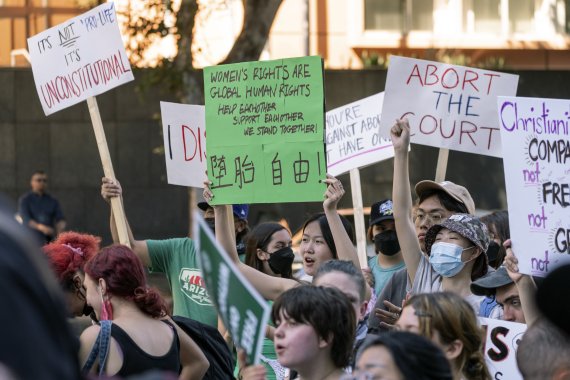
(382, 275)
(177, 259)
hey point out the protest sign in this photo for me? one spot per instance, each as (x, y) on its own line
(536, 141)
(265, 123)
(184, 132)
(80, 58)
(501, 343)
(448, 106)
(242, 309)
(353, 135)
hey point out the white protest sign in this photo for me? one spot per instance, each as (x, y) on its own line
(502, 340)
(184, 131)
(352, 136)
(80, 58)
(448, 106)
(536, 141)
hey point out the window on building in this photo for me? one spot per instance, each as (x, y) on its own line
(384, 15)
(398, 15)
(487, 16)
(521, 14)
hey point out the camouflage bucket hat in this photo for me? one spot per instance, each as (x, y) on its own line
(468, 226)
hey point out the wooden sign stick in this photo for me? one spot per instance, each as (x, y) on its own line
(441, 165)
(358, 216)
(116, 202)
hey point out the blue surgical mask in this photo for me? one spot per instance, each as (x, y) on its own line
(445, 258)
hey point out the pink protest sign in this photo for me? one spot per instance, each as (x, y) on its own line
(536, 141)
(448, 106)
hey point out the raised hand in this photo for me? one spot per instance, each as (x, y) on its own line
(333, 194)
(400, 134)
(110, 188)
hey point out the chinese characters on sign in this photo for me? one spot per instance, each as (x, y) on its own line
(265, 123)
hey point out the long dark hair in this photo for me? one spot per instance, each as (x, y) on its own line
(259, 238)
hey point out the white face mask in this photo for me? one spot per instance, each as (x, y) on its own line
(445, 258)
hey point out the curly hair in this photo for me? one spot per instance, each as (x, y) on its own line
(69, 253)
(124, 274)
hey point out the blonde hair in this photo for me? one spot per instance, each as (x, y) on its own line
(454, 319)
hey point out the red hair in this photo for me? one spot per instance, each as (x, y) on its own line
(69, 253)
(124, 274)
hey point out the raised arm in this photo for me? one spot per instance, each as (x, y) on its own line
(270, 287)
(525, 285)
(111, 188)
(344, 247)
(402, 198)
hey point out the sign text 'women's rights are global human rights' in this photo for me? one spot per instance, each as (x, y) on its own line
(448, 106)
(265, 126)
(536, 143)
(79, 58)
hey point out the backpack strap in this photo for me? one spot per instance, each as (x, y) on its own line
(100, 348)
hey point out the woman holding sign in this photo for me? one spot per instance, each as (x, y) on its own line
(325, 236)
(447, 270)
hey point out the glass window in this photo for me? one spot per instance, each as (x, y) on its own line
(521, 14)
(422, 15)
(487, 16)
(383, 15)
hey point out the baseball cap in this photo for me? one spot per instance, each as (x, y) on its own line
(380, 211)
(468, 226)
(457, 192)
(240, 211)
(488, 284)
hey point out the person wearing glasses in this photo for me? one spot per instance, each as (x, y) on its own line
(40, 211)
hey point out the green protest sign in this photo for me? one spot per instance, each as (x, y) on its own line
(242, 309)
(265, 128)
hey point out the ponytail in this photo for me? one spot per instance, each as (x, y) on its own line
(150, 302)
(475, 367)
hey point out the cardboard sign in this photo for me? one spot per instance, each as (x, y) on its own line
(448, 106)
(502, 340)
(242, 309)
(265, 125)
(536, 141)
(80, 58)
(353, 136)
(184, 132)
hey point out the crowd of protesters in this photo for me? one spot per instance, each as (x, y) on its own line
(412, 313)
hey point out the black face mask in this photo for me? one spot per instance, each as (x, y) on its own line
(493, 252)
(387, 243)
(281, 260)
(87, 310)
(211, 222)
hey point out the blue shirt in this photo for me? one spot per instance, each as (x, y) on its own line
(43, 209)
(382, 275)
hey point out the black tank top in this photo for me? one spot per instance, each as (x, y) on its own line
(136, 361)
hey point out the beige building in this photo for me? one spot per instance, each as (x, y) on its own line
(351, 34)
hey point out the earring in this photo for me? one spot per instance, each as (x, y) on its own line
(106, 308)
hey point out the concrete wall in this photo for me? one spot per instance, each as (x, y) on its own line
(63, 144)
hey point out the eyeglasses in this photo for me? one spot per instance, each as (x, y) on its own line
(358, 375)
(420, 218)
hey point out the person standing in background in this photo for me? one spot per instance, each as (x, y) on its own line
(40, 211)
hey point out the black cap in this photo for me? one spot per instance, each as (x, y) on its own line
(380, 211)
(553, 298)
(488, 284)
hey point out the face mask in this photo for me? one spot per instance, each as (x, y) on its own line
(281, 260)
(211, 222)
(493, 252)
(387, 243)
(445, 258)
(87, 310)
